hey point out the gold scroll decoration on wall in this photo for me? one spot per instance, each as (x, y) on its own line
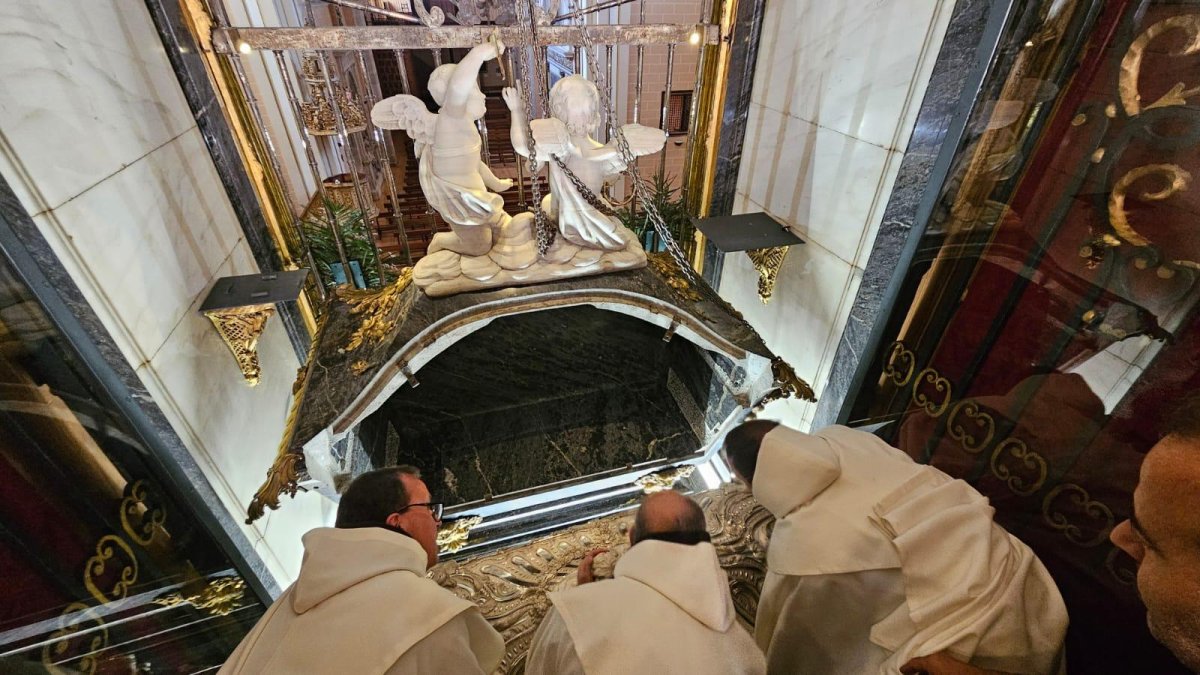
(1176, 179)
(509, 587)
(141, 517)
(284, 474)
(109, 574)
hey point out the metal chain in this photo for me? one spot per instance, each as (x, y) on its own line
(639, 185)
(584, 191)
(527, 26)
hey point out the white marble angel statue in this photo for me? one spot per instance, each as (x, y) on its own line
(456, 182)
(567, 135)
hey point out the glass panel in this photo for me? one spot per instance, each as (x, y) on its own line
(1048, 319)
(102, 570)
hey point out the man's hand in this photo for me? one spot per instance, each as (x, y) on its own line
(942, 664)
(585, 574)
(512, 97)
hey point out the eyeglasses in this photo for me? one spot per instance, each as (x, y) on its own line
(434, 507)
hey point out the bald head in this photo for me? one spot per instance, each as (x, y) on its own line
(666, 513)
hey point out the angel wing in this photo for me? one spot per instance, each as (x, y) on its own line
(408, 113)
(551, 137)
(642, 140)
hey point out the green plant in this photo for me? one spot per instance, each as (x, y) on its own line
(356, 239)
(669, 205)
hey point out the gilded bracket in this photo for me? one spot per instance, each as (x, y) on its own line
(240, 328)
(768, 262)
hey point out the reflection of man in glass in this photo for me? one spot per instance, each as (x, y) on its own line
(1163, 536)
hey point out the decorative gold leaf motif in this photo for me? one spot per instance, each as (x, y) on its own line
(970, 411)
(660, 481)
(284, 474)
(1030, 459)
(788, 382)
(96, 570)
(1177, 180)
(376, 310)
(240, 328)
(140, 519)
(1131, 64)
(359, 367)
(451, 539)
(282, 478)
(665, 268)
(768, 262)
(1082, 500)
(219, 597)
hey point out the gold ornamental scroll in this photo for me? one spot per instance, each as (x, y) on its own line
(240, 328)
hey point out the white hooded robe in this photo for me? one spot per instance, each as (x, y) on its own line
(876, 559)
(667, 610)
(363, 605)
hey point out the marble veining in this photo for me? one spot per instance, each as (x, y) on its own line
(943, 99)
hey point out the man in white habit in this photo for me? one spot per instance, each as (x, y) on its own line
(875, 560)
(667, 609)
(362, 603)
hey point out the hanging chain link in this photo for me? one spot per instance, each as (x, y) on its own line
(527, 26)
(584, 191)
(639, 185)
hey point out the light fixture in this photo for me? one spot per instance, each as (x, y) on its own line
(694, 38)
(244, 47)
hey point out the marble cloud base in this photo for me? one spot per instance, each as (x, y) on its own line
(514, 261)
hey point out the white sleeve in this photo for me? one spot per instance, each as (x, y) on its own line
(552, 651)
(445, 650)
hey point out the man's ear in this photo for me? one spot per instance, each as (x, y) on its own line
(394, 520)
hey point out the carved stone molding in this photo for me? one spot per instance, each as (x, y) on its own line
(510, 586)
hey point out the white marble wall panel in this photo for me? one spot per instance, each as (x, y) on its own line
(151, 237)
(846, 66)
(798, 325)
(87, 91)
(281, 545)
(824, 184)
(836, 91)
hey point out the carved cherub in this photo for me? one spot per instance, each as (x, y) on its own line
(454, 179)
(567, 135)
